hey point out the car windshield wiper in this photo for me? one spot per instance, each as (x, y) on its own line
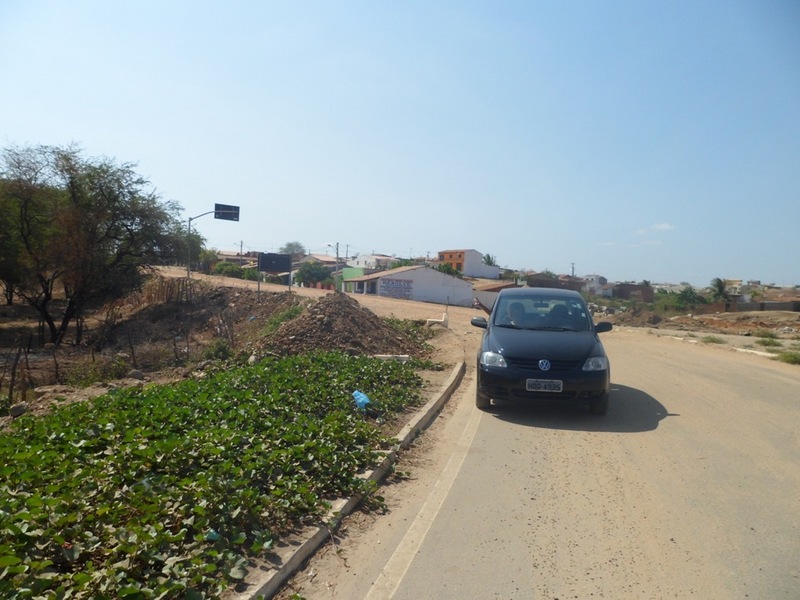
(508, 325)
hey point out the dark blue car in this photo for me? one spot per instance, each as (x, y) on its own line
(542, 344)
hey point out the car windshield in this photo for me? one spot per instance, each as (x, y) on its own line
(542, 312)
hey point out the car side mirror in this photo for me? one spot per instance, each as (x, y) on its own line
(480, 322)
(602, 327)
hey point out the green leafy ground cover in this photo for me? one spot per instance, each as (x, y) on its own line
(167, 491)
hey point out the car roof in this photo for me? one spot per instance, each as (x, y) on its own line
(532, 292)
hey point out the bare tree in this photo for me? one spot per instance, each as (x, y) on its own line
(91, 226)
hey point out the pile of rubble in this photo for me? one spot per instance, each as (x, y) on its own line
(338, 322)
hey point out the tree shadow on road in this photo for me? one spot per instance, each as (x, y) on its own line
(629, 411)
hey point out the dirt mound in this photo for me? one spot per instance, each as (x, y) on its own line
(338, 322)
(166, 340)
(637, 317)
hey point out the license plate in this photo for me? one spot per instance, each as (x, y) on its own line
(544, 385)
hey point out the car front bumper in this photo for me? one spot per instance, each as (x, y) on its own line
(509, 384)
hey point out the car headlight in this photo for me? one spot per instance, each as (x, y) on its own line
(596, 363)
(493, 359)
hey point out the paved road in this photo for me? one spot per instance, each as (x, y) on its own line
(688, 488)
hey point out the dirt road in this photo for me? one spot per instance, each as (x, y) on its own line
(688, 488)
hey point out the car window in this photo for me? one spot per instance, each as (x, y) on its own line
(542, 311)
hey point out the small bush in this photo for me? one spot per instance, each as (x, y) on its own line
(791, 357)
(768, 342)
(228, 270)
(93, 370)
(712, 339)
(415, 329)
(765, 333)
(219, 349)
(280, 317)
(154, 357)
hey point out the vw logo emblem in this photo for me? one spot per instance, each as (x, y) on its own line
(544, 364)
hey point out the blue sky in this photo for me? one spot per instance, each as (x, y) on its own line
(637, 140)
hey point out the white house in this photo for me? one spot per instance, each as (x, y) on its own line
(371, 261)
(418, 282)
(595, 285)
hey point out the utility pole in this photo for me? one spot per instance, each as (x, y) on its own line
(189, 250)
(336, 271)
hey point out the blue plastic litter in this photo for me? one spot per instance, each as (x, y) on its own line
(361, 399)
(212, 536)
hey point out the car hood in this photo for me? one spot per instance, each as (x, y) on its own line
(554, 345)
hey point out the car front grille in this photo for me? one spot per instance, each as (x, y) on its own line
(532, 365)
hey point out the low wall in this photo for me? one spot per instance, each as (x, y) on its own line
(793, 306)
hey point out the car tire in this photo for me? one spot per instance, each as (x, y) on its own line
(482, 401)
(599, 406)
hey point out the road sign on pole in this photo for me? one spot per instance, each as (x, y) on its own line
(221, 211)
(226, 212)
(274, 263)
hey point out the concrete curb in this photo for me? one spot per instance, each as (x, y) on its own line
(267, 579)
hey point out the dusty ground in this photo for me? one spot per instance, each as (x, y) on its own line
(742, 331)
(782, 323)
(166, 341)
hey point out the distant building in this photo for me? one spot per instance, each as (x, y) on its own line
(418, 282)
(564, 282)
(371, 261)
(325, 259)
(594, 284)
(469, 263)
(634, 291)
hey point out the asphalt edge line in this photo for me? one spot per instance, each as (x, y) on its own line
(268, 583)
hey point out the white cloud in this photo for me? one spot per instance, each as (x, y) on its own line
(652, 228)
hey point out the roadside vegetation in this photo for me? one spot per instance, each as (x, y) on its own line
(791, 357)
(170, 491)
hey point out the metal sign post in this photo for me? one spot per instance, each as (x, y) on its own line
(275, 263)
(225, 212)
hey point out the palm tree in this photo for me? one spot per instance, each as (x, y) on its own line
(719, 290)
